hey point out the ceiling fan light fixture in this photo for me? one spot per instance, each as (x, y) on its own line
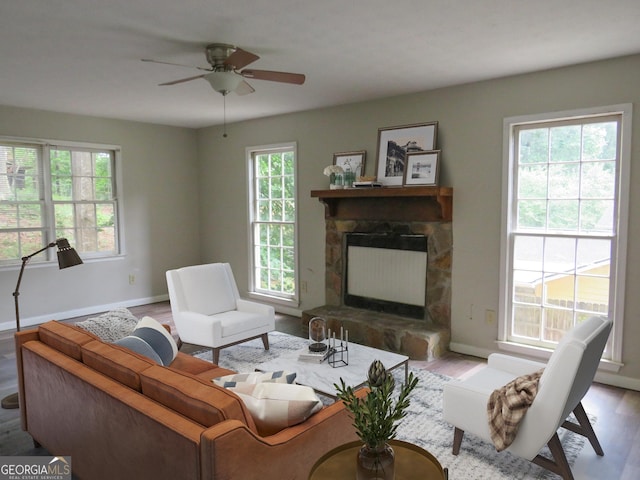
(223, 82)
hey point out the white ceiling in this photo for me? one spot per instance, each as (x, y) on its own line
(83, 56)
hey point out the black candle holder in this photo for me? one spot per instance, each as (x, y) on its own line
(339, 356)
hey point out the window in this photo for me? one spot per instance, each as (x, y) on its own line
(49, 192)
(273, 221)
(565, 225)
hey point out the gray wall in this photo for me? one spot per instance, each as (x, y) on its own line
(470, 134)
(170, 222)
(159, 171)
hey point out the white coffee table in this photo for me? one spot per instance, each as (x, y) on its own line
(322, 376)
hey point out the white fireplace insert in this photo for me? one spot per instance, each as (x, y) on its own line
(386, 273)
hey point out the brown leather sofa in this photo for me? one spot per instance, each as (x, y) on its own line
(120, 415)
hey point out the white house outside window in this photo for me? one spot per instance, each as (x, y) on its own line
(564, 232)
(49, 192)
(273, 222)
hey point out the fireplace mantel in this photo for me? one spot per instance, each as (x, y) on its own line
(414, 203)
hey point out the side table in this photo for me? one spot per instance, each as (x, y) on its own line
(412, 463)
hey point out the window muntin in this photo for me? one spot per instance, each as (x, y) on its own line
(563, 230)
(273, 218)
(49, 192)
(22, 222)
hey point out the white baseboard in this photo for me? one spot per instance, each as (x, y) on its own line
(618, 381)
(603, 377)
(95, 309)
(81, 312)
(470, 350)
(294, 312)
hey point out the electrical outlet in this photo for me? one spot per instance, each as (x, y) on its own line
(303, 286)
(490, 317)
(132, 279)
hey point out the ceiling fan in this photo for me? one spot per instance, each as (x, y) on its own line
(226, 74)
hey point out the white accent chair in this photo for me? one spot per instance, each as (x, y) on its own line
(566, 379)
(207, 308)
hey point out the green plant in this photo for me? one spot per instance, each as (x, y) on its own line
(375, 416)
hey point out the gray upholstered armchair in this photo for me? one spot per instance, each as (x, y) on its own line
(565, 380)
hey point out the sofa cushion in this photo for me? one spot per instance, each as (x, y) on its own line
(275, 406)
(193, 397)
(112, 325)
(213, 372)
(196, 366)
(152, 340)
(65, 338)
(229, 381)
(118, 363)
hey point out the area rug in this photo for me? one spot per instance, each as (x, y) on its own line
(423, 425)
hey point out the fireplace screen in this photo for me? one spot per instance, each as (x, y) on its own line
(386, 273)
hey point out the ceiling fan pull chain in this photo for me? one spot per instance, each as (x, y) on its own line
(224, 115)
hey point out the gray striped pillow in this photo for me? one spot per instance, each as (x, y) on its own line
(151, 340)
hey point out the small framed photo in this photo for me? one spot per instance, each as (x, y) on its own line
(353, 161)
(422, 168)
(394, 143)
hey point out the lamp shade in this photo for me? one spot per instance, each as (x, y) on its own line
(223, 82)
(67, 255)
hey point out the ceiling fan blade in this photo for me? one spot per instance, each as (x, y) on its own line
(284, 77)
(175, 64)
(182, 80)
(240, 58)
(244, 88)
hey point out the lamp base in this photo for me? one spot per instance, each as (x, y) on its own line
(11, 401)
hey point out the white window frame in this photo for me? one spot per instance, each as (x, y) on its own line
(289, 301)
(49, 228)
(618, 266)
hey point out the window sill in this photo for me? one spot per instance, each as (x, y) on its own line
(544, 354)
(273, 300)
(54, 263)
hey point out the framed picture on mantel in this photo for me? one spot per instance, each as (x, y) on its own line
(351, 161)
(394, 143)
(422, 169)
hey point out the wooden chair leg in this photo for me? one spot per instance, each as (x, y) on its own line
(265, 340)
(561, 465)
(457, 440)
(215, 353)
(585, 429)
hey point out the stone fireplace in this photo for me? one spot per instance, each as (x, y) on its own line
(414, 317)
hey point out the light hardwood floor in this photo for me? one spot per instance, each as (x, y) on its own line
(617, 410)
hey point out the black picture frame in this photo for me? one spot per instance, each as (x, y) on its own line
(393, 145)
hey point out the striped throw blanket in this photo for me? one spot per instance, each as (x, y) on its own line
(508, 405)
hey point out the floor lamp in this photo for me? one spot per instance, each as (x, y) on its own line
(67, 257)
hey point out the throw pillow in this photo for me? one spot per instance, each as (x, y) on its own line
(281, 376)
(152, 340)
(275, 406)
(110, 326)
